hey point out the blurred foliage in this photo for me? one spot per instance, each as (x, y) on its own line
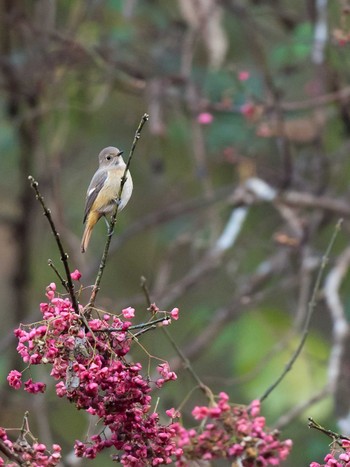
(81, 75)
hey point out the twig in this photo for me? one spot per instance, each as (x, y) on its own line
(58, 274)
(187, 364)
(311, 307)
(113, 219)
(145, 290)
(335, 436)
(68, 283)
(64, 256)
(25, 424)
(135, 326)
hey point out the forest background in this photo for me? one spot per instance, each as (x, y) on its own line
(240, 177)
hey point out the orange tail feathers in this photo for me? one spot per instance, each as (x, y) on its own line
(91, 221)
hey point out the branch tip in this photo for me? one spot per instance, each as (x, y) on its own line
(33, 182)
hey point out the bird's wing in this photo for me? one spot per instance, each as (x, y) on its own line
(95, 186)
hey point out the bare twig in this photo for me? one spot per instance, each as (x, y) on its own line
(311, 307)
(68, 283)
(135, 326)
(64, 256)
(309, 263)
(332, 434)
(58, 274)
(113, 219)
(187, 364)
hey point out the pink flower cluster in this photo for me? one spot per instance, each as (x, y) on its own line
(93, 374)
(232, 432)
(88, 361)
(337, 458)
(35, 454)
(205, 118)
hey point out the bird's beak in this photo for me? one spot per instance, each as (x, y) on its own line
(121, 153)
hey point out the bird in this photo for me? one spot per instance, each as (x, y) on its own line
(103, 191)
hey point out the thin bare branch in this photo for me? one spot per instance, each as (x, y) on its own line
(311, 307)
(64, 256)
(332, 434)
(187, 364)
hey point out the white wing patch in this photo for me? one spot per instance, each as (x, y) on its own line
(91, 191)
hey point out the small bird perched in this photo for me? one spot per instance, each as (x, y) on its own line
(103, 191)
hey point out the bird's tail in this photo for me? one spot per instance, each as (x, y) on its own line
(86, 238)
(93, 217)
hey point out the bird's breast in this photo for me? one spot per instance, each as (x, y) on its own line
(110, 191)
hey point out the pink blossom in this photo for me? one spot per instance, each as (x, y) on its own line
(61, 390)
(50, 290)
(199, 413)
(15, 379)
(153, 308)
(243, 75)
(34, 387)
(128, 313)
(175, 314)
(173, 413)
(75, 275)
(164, 370)
(235, 450)
(205, 118)
(215, 412)
(255, 407)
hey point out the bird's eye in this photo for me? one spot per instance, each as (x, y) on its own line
(109, 157)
